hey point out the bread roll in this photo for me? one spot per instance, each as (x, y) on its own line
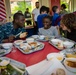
(60, 72)
(23, 35)
(53, 74)
(33, 44)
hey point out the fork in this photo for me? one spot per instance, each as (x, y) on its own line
(18, 34)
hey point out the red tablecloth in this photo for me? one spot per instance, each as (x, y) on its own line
(33, 58)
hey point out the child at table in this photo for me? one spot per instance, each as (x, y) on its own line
(48, 30)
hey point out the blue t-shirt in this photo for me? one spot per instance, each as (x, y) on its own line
(39, 20)
(55, 17)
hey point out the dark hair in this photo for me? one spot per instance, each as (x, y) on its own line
(47, 9)
(69, 20)
(36, 2)
(17, 15)
(44, 8)
(19, 11)
(54, 8)
(48, 17)
(27, 8)
(64, 6)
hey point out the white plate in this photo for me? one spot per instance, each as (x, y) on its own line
(5, 52)
(18, 42)
(7, 45)
(55, 55)
(35, 36)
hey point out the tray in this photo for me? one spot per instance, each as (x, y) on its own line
(43, 40)
(63, 39)
(38, 48)
(4, 52)
(16, 63)
(65, 51)
(46, 38)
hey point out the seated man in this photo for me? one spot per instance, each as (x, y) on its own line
(14, 30)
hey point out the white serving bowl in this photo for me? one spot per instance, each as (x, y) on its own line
(68, 44)
(35, 36)
(72, 69)
(55, 41)
(41, 37)
(55, 55)
(29, 40)
(7, 45)
(18, 42)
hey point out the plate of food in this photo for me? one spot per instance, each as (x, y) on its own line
(5, 48)
(31, 47)
(60, 44)
(11, 67)
(55, 55)
(70, 64)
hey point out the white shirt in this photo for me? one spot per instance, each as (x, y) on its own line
(36, 13)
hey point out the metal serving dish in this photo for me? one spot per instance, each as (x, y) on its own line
(28, 51)
(16, 63)
(64, 40)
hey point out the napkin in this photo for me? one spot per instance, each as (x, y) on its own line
(47, 68)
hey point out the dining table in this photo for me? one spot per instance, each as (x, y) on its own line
(32, 58)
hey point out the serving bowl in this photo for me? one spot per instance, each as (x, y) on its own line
(68, 44)
(55, 41)
(41, 37)
(35, 36)
(29, 40)
(7, 45)
(70, 64)
(55, 55)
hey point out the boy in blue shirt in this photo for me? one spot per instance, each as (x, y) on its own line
(56, 16)
(43, 12)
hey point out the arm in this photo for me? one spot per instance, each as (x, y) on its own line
(56, 32)
(39, 31)
(9, 39)
(33, 15)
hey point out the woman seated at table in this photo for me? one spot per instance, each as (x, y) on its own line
(68, 23)
(48, 30)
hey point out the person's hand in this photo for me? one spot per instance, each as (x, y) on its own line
(11, 38)
(3, 22)
(5, 41)
(23, 35)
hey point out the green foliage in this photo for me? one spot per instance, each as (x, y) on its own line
(64, 2)
(21, 5)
